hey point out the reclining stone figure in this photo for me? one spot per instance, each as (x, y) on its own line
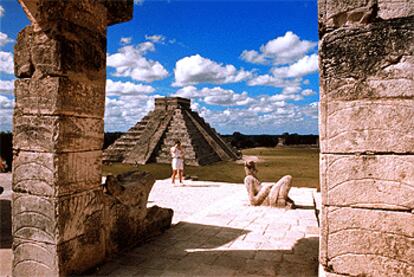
(275, 195)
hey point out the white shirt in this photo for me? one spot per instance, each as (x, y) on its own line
(176, 153)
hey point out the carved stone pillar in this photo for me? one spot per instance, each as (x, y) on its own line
(60, 63)
(367, 140)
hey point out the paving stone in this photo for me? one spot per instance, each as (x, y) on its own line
(197, 248)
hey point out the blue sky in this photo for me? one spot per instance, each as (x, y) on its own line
(248, 66)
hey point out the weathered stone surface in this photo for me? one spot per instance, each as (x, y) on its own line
(118, 11)
(348, 52)
(23, 66)
(57, 220)
(57, 52)
(126, 216)
(34, 259)
(359, 236)
(339, 13)
(345, 127)
(388, 9)
(82, 253)
(356, 265)
(392, 82)
(131, 189)
(372, 181)
(57, 133)
(42, 13)
(59, 96)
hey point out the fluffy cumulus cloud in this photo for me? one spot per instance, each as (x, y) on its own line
(121, 113)
(2, 11)
(130, 61)
(6, 62)
(269, 80)
(281, 50)
(216, 96)
(117, 88)
(6, 86)
(4, 39)
(304, 66)
(197, 69)
(267, 115)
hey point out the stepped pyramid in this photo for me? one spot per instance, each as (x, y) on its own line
(150, 139)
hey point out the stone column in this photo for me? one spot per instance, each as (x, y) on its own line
(367, 137)
(60, 63)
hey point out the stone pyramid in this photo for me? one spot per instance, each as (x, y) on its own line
(150, 139)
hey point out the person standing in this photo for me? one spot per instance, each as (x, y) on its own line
(177, 163)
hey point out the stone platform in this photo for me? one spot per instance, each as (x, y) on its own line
(216, 233)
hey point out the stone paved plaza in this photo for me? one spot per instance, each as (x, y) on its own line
(216, 233)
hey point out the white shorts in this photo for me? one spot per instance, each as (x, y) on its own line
(177, 164)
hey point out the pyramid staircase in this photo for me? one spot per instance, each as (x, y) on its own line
(150, 139)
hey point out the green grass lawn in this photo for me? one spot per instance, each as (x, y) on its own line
(301, 163)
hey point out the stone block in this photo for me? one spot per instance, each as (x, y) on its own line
(60, 96)
(394, 81)
(118, 11)
(58, 52)
(51, 174)
(83, 13)
(339, 13)
(23, 67)
(57, 220)
(367, 126)
(34, 259)
(370, 181)
(358, 237)
(57, 133)
(388, 9)
(348, 53)
(85, 251)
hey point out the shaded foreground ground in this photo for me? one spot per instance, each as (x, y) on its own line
(301, 163)
(217, 233)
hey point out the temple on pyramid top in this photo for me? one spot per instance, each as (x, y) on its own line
(172, 119)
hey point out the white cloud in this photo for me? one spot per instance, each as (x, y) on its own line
(6, 86)
(304, 66)
(216, 96)
(308, 92)
(196, 69)
(155, 38)
(2, 11)
(125, 88)
(6, 62)
(121, 113)
(4, 39)
(126, 40)
(6, 113)
(281, 50)
(253, 56)
(311, 110)
(138, 2)
(129, 61)
(269, 80)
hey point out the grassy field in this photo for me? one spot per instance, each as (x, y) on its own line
(301, 163)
